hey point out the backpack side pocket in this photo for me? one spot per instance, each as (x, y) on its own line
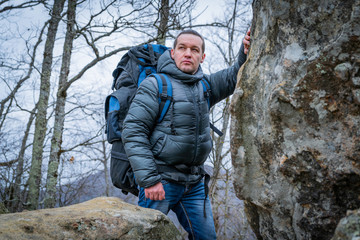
(122, 175)
(116, 107)
(113, 123)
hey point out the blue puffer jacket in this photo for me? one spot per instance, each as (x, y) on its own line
(149, 144)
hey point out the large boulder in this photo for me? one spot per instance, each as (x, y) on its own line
(295, 131)
(100, 218)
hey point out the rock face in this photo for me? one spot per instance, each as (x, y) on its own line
(348, 227)
(100, 218)
(295, 131)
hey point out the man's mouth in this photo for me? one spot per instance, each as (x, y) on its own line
(187, 62)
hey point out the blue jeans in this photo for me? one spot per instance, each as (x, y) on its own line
(188, 204)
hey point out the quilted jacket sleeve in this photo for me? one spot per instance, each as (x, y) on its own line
(138, 125)
(224, 81)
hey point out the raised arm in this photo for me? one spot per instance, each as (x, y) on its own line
(224, 81)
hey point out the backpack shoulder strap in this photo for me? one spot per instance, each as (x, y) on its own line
(207, 94)
(207, 90)
(165, 94)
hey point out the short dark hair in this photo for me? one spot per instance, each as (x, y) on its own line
(193, 32)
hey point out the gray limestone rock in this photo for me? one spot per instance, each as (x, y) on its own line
(295, 131)
(99, 218)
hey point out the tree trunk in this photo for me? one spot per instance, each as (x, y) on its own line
(56, 140)
(219, 141)
(106, 169)
(41, 121)
(164, 18)
(218, 147)
(17, 198)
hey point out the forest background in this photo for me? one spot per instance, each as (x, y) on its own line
(56, 61)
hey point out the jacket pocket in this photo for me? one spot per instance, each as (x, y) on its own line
(204, 151)
(159, 145)
(176, 150)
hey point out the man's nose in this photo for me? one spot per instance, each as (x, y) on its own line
(188, 52)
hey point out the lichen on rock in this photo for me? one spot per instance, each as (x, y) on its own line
(295, 131)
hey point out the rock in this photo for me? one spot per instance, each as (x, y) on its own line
(356, 94)
(99, 218)
(356, 81)
(348, 227)
(342, 71)
(295, 131)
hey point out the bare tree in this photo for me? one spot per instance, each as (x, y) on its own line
(42, 105)
(55, 151)
(227, 40)
(16, 198)
(229, 54)
(105, 161)
(16, 72)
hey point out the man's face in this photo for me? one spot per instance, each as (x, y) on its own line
(187, 53)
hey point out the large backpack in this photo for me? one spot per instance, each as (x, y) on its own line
(137, 64)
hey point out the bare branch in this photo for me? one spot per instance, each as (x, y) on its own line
(87, 142)
(20, 6)
(27, 76)
(95, 61)
(8, 164)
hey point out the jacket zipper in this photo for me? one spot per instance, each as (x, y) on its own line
(197, 123)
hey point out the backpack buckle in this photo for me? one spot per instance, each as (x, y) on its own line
(164, 96)
(207, 93)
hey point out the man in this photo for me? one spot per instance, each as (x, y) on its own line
(167, 157)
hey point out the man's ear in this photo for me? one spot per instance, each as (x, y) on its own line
(172, 53)
(202, 58)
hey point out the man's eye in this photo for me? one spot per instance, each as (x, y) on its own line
(195, 50)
